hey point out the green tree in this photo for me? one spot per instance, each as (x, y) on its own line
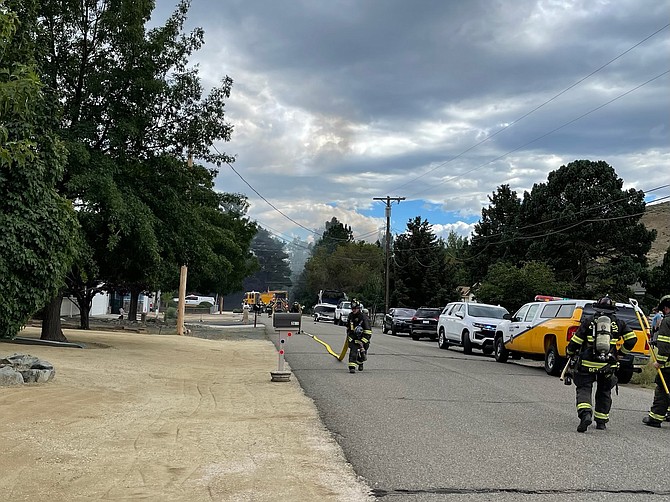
(511, 286)
(275, 272)
(37, 242)
(583, 224)
(335, 234)
(421, 275)
(494, 234)
(134, 110)
(656, 280)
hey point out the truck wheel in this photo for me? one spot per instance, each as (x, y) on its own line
(624, 375)
(467, 346)
(500, 352)
(442, 340)
(552, 361)
(414, 337)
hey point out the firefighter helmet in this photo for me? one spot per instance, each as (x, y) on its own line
(665, 302)
(605, 303)
(355, 304)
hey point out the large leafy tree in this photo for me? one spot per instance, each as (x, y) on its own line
(133, 111)
(38, 225)
(583, 224)
(335, 234)
(423, 274)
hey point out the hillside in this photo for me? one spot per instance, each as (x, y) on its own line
(657, 217)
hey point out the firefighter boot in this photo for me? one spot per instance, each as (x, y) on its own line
(584, 422)
(651, 422)
(360, 366)
(600, 425)
(352, 369)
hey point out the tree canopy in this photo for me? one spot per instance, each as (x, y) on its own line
(39, 228)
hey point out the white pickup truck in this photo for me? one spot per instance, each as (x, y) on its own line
(343, 310)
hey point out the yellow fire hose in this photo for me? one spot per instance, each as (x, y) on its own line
(339, 357)
(647, 331)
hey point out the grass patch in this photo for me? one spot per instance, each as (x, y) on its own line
(647, 377)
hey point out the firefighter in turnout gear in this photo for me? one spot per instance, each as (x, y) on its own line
(359, 334)
(661, 403)
(593, 359)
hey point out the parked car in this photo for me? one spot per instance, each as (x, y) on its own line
(542, 329)
(470, 325)
(196, 300)
(424, 323)
(398, 320)
(324, 312)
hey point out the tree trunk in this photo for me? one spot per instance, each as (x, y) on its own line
(51, 329)
(132, 309)
(84, 301)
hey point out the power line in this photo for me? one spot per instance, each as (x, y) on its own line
(516, 121)
(545, 134)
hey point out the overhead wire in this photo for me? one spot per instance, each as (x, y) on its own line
(516, 121)
(543, 135)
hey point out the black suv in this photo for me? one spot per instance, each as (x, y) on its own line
(398, 320)
(424, 323)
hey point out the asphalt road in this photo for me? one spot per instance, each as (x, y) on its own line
(424, 424)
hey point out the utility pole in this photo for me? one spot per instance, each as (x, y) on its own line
(388, 200)
(181, 307)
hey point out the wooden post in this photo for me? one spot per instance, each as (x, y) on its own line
(182, 300)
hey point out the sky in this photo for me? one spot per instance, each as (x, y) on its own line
(337, 102)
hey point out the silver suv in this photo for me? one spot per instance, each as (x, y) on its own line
(471, 325)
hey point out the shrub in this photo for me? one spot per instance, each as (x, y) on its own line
(206, 304)
(171, 313)
(647, 377)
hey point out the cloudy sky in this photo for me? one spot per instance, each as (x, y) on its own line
(336, 102)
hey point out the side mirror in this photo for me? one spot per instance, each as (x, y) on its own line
(507, 317)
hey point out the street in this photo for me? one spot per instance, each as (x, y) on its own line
(420, 422)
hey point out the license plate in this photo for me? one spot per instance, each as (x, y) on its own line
(426, 322)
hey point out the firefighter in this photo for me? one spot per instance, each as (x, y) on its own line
(593, 359)
(661, 402)
(359, 334)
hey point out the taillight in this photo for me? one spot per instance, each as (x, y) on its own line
(571, 331)
(646, 345)
(414, 318)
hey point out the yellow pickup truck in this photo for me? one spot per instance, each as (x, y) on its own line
(542, 329)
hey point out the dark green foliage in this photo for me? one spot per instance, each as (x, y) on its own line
(580, 222)
(337, 262)
(423, 274)
(494, 235)
(588, 228)
(38, 226)
(511, 286)
(275, 272)
(657, 282)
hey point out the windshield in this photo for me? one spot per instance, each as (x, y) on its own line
(428, 312)
(487, 311)
(404, 312)
(626, 314)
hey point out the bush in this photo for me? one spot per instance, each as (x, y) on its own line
(647, 377)
(171, 313)
(206, 305)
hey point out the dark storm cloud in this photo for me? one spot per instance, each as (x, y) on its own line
(350, 96)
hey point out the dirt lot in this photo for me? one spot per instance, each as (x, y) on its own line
(163, 417)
